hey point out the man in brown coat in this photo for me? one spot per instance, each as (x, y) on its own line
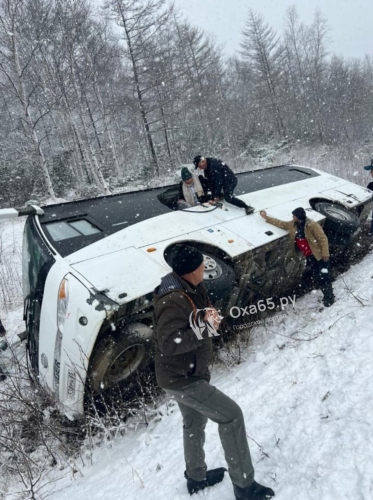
(308, 236)
(185, 323)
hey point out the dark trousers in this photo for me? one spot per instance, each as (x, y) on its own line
(199, 402)
(228, 195)
(320, 276)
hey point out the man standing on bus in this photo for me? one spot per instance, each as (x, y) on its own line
(221, 181)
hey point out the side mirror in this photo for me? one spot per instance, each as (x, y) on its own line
(13, 213)
(8, 213)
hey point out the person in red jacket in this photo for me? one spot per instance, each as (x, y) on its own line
(309, 237)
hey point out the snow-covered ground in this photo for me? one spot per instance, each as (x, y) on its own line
(306, 390)
(11, 275)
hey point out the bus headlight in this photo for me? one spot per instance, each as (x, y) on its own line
(62, 304)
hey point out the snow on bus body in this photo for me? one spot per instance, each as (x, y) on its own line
(279, 201)
(122, 268)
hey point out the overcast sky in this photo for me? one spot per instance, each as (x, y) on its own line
(350, 21)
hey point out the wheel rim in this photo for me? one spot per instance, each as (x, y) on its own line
(125, 364)
(212, 270)
(338, 213)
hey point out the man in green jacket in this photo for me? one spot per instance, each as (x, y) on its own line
(309, 237)
(185, 323)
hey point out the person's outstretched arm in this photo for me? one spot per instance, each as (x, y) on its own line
(282, 224)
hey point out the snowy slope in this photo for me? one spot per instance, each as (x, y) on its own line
(306, 391)
(11, 301)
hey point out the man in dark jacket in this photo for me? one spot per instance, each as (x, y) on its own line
(221, 181)
(370, 186)
(309, 237)
(185, 323)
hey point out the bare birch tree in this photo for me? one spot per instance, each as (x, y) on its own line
(262, 48)
(18, 52)
(142, 22)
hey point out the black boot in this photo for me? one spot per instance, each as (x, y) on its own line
(328, 299)
(213, 476)
(253, 492)
(249, 210)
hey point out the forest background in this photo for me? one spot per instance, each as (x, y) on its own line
(93, 101)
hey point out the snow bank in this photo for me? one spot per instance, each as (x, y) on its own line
(306, 391)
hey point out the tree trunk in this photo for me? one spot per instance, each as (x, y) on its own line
(107, 130)
(96, 169)
(153, 156)
(29, 120)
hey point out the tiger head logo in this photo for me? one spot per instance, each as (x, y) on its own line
(199, 325)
